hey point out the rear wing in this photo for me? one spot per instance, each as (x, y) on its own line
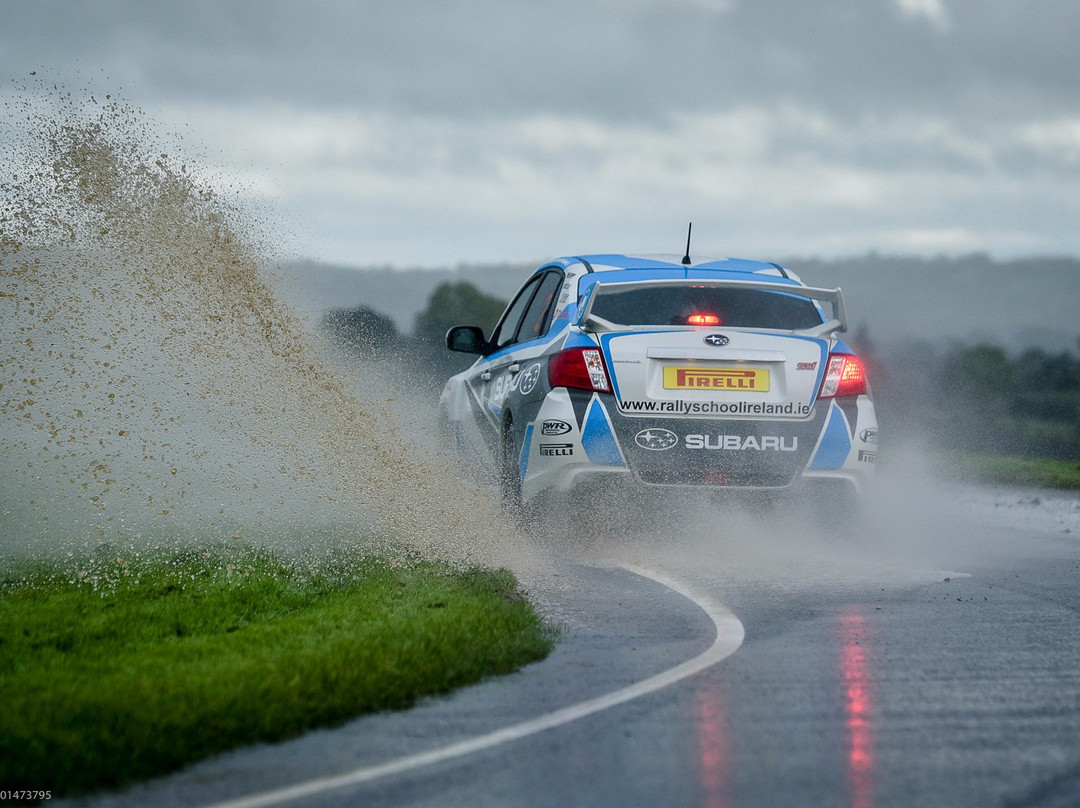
(834, 297)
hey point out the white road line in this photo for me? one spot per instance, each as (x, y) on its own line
(729, 636)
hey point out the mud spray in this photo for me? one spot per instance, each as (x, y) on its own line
(154, 389)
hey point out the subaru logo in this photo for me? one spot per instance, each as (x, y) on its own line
(717, 339)
(528, 379)
(656, 440)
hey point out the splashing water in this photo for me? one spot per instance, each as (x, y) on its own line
(151, 384)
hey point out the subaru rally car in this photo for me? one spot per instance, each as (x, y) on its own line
(722, 374)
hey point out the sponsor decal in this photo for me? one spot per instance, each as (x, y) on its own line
(739, 443)
(554, 427)
(867, 457)
(503, 385)
(751, 380)
(529, 377)
(806, 366)
(556, 449)
(868, 436)
(656, 440)
(716, 339)
(680, 407)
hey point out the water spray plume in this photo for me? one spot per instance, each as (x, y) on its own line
(152, 384)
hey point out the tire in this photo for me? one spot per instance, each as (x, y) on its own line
(509, 466)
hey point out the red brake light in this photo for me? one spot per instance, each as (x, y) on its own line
(844, 376)
(703, 319)
(579, 367)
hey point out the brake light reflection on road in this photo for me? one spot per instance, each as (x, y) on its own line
(714, 747)
(858, 708)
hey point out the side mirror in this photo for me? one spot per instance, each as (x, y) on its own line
(467, 339)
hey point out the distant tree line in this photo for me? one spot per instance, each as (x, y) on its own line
(980, 398)
(964, 397)
(369, 333)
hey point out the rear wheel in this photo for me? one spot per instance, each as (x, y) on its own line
(836, 507)
(510, 466)
(536, 516)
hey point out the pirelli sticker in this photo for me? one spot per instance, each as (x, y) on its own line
(743, 380)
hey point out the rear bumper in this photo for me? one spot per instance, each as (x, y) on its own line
(582, 439)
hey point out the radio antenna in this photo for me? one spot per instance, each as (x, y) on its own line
(686, 258)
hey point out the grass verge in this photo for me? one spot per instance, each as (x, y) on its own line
(120, 669)
(1039, 472)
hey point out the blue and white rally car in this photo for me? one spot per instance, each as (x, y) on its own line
(657, 371)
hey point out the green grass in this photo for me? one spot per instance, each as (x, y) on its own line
(123, 668)
(1039, 472)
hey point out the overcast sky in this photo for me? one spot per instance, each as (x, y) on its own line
(427, 133)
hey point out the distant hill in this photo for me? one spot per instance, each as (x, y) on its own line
(1031, 302)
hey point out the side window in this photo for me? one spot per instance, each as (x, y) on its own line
(511, 319)
(538, 316)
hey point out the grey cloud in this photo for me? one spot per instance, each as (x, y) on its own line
(833, 124)
(998, 58)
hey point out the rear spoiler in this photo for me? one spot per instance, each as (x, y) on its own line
(834, 297)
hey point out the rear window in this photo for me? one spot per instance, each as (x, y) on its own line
(674, 305)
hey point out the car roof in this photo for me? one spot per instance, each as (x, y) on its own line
(672, 266)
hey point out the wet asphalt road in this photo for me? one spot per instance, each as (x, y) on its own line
(933, 660)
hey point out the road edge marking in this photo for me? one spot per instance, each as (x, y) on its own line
(729, 636)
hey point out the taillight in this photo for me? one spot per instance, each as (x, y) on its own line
(579, 367)
(844, 376)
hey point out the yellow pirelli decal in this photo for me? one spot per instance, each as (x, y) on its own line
(745, 380)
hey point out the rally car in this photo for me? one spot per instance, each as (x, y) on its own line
(663, 372)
